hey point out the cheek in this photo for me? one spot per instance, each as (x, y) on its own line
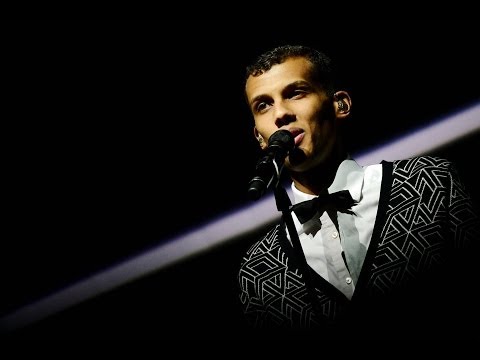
(265, 128)
(323, 135)
(260, 123)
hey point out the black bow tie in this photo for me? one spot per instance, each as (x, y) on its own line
(340, 200)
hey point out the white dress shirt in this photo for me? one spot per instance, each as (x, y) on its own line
(337, 254)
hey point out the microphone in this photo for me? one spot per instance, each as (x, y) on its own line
(270, 166)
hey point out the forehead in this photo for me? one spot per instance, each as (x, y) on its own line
(279, 76)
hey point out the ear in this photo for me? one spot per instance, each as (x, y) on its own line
(259, 138)
(342, 104)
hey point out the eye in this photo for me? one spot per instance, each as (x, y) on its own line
(261, 106)
(297, 94)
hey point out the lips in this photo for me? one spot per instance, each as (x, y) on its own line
(299, 138)
(298, 135)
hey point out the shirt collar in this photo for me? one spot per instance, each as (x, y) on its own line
(349, 177)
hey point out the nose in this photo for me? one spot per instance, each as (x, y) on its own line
(283, 115)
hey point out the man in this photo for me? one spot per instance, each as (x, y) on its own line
(395, 255)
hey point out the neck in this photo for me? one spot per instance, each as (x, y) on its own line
(318, 179)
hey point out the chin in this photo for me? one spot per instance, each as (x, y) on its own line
(295, 159)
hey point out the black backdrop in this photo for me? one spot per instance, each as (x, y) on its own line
(117, 122)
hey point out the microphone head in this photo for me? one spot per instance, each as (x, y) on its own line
(281, 140)
(280, 144)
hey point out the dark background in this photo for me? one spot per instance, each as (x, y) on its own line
(117, 121)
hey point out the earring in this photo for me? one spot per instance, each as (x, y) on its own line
(260, 139)
(341, 106)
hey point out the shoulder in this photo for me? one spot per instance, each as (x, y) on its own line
(424, 164)
(264, 245)
(418, 171)
(423, 161)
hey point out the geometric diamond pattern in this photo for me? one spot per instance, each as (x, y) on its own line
(427, 214)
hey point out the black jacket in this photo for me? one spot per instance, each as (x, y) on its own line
(416, 273)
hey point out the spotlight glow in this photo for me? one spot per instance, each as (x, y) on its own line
(232, 226)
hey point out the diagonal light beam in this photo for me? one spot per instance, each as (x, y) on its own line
(231, 226)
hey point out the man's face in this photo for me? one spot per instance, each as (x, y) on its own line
(286, 97)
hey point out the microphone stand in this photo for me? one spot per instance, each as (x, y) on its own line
(284, 204)
(269, 174)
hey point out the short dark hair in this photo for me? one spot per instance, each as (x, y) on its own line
(323, 68)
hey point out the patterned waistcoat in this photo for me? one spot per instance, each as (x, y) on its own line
(425, 219)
